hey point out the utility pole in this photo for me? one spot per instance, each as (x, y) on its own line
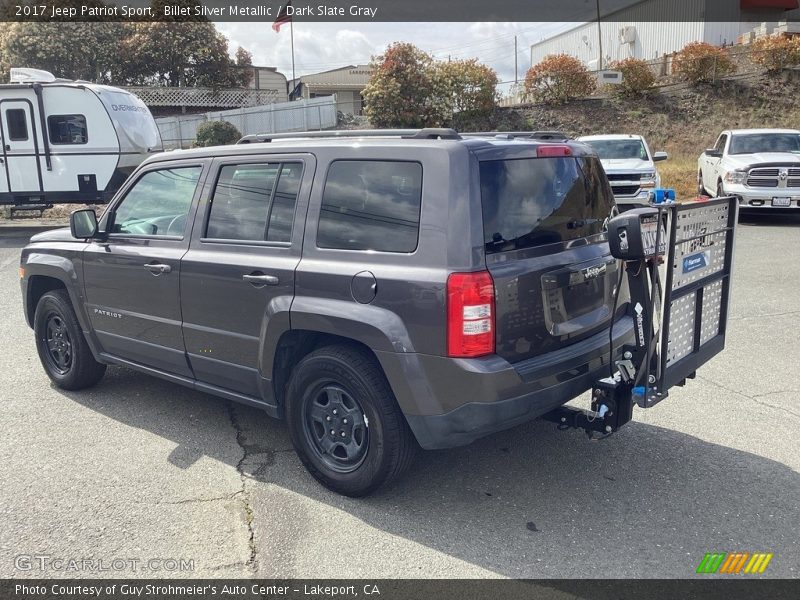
(599, 40)
(516, 55)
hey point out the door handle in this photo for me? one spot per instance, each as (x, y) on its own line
(157, 268)
(259, 279)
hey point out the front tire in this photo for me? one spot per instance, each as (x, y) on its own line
(720, 191)
(62, 349)
(344, 421)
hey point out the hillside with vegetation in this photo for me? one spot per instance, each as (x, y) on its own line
(682, 122)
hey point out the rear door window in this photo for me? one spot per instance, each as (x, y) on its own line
(539, 201)
(255, 202)
(371, 205)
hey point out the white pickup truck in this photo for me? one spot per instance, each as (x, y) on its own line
(629, 166)
(761, 167)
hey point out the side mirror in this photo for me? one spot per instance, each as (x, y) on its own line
(660, 156)
(83, 223)
(712, 152)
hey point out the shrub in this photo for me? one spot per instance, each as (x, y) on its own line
(558, 78)
(776, 52)
(408, 88)
(216, 133)
(464, 86)
(637, 77)
(399, 91)
(701, 62)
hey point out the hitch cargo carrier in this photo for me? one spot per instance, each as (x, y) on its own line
(678, 260)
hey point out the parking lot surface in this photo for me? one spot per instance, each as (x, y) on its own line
(138, 468)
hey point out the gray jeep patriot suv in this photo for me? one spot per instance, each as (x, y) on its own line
(380, 290)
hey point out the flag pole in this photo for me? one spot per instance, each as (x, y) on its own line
(291, 35)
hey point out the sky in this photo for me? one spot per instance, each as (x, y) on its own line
(324, 46)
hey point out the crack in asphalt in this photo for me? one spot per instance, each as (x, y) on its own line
(756, 397)
(251, 564)
(226, 497)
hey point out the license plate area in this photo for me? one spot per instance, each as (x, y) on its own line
(578, 298)
(781, 201)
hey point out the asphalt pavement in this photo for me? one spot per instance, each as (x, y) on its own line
(170, 482)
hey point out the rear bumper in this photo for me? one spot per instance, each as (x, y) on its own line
(452, 402)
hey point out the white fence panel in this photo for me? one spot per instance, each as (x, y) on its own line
(301, 115)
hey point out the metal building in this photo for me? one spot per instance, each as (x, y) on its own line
(346, 82)
(648, 29)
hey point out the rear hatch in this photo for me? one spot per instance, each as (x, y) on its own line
(544, 222)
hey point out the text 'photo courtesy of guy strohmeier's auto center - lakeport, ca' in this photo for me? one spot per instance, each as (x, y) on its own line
(400, 300)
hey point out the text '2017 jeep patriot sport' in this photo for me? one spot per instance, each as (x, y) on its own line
(378, 291)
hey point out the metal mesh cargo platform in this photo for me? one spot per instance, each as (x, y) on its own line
(697, 287)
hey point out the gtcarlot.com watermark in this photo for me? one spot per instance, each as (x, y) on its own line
(60, 564)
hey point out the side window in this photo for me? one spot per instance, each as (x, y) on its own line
(721, 143)
(255, 202)
(371, 205)
(67, 129)
(158, 203)
(17, 124)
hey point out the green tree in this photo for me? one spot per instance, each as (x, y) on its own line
(87, 50)
(464, 86)
(164, 52)
(399, 92)
(410, 89)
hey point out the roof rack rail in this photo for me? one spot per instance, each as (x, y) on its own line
(511, 135)
(429, 133)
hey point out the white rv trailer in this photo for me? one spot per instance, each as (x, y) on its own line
(69, 141)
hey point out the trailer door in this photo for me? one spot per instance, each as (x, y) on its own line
(20, 147)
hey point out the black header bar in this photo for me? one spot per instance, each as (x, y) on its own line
(396, 10)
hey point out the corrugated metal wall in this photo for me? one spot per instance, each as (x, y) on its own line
(653, 37)
(300, 115)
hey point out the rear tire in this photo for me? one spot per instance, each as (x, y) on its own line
(62, 349)
(344, 421)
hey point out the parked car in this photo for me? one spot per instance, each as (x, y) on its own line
(761, 167)
(629, 165)
(377, 291)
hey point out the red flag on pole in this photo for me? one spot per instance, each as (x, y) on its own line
(282, 18)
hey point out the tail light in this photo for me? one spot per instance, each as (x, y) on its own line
(470, 314)
(553, 150)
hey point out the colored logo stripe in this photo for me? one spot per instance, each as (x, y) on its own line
(711, 562)
(732, 563)
(758, 563)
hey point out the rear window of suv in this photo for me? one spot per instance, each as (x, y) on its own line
(537, 201)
